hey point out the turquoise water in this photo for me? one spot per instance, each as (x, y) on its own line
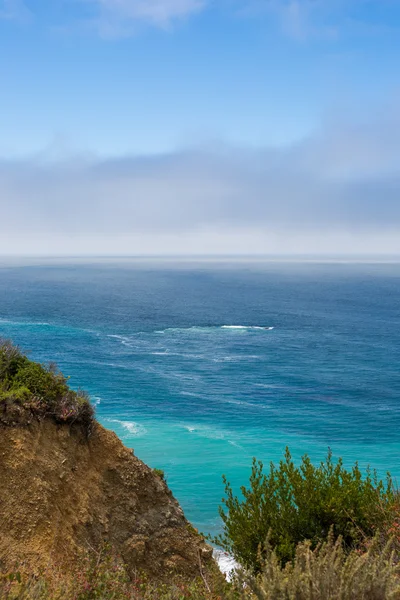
(200, 366)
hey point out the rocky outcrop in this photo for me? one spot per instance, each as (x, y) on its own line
(62, 492)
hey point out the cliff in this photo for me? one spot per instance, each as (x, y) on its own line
(62, 492)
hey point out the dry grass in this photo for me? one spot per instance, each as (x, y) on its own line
(328, 573)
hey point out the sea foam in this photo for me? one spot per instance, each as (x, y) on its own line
(131, 427)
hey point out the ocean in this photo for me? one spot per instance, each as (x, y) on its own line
(201, 365)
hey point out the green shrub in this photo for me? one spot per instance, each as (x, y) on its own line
(18, 395)
(292, 504)
(11, 359)
(327, 573)
(41, 382)
(160, 473)
(30, 389)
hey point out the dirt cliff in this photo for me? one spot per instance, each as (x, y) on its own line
(62, 492)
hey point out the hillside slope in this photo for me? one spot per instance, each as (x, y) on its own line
(62, 491)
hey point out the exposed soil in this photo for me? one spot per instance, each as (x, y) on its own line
(62, 493)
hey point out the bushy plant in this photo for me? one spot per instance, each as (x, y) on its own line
(292, 504)
(31, 389)
(326, 573)
(42, 383)
(11, 359)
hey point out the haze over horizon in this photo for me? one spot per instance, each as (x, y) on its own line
(178, 127)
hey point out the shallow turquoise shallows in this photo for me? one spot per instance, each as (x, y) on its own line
(201, 366)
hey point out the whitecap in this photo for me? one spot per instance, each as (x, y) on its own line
(25, 323)
(271, 386)
(237, 358)
(241, 403)
(210, 328)
(193, 328)
(131, 426)
(246, 327)
(124, 339)
(212, 433)
(204, 431)
(226, 563)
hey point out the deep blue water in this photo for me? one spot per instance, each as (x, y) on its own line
(198, 399)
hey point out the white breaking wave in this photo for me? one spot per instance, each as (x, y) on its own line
(180, 354)
(193, 329)
(226, 563)
(24, 323)
(132, 427)
(246, 327)
(207, 432)
(212, 434)
(129, 339)
(124, 339)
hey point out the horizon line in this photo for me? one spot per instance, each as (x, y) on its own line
(294, 258)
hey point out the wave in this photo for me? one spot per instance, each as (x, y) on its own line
(204, 431)
(25, 323)
(191, 394)
(243, 403)
(55, 326)
(270, 385)
(206, 329)
(137, 337)
(226, 563)
(212, 433)
(244, 327)
(124, 339)
(132, 427)
(236, 358)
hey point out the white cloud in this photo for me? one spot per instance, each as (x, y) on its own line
(119, 17)
(337, 191)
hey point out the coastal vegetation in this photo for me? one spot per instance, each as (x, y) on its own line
(31, 390)
(329, 572)
(290, 504)
(299, 532)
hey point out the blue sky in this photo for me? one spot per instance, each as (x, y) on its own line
(173, 96)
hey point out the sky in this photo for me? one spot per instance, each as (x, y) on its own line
(165, 127)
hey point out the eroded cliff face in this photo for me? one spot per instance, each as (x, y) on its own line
(62, 493)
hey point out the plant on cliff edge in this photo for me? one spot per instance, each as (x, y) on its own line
(30, 388)
(292, 504)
